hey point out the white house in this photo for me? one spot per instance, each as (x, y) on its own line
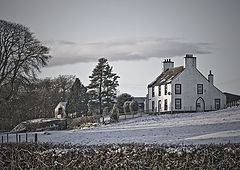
(60, 110)
(183, 89)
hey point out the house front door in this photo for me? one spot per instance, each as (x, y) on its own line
(200, 105)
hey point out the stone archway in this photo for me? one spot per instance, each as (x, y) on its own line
(200, 105)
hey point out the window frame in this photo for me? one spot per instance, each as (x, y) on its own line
(180, 88)
(165, 89)
(159, 105)
(165, 105)
(215, 103)
(180, 106)
(153, 91)
(159, 90)
(153, 106)
(199, 91)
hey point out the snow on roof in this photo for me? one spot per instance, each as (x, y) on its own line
(167, 76)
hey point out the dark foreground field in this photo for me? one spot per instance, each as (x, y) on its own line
(120, 156)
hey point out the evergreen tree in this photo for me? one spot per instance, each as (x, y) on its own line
(103, 84)
(78, 99)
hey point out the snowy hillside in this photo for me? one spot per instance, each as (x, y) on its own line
(189, 128)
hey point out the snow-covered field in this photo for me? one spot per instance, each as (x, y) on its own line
(186, 128)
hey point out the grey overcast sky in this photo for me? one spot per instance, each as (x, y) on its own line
(135, 36)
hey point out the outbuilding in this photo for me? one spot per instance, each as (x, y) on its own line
(60, 110)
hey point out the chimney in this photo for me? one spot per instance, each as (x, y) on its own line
(166, 64)
(210, 77)
(190, 61)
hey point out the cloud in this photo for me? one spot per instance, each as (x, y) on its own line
(66, 52)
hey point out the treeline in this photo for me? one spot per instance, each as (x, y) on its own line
(35, 100)
(23, 96)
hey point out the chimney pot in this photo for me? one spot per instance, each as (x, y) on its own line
(210, 77)
(190, 61)
(167, 63)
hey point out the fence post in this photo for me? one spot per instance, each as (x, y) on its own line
(26, 138)
(19, 138)
(2, 139)
(16, 138)
(7, 137)
(36, 138)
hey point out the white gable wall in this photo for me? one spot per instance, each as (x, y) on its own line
(189, 79)
(60, 105)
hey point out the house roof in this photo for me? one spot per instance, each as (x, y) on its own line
(167, 76)
(139, 99)
(64, 103)
(231, 97)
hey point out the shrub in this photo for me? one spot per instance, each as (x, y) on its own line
(126, 107)
(133, 106)
(114, 114)
(81, 121)
(106, 110)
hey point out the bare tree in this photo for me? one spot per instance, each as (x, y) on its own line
(21, 55)
(35, 100)
(64, 84)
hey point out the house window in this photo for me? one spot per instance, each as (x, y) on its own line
(159, 90)
(199, 88)
(159, 105)
(165, 104)
(178, 89)
(217, 104)
(152, 106)
(153, 92)
(165, 89)
(178, 103)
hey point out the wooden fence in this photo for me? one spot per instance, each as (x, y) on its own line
(130, 115)
(233, 103)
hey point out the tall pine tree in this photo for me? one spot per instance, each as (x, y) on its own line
(103, 84)
(78, 99)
